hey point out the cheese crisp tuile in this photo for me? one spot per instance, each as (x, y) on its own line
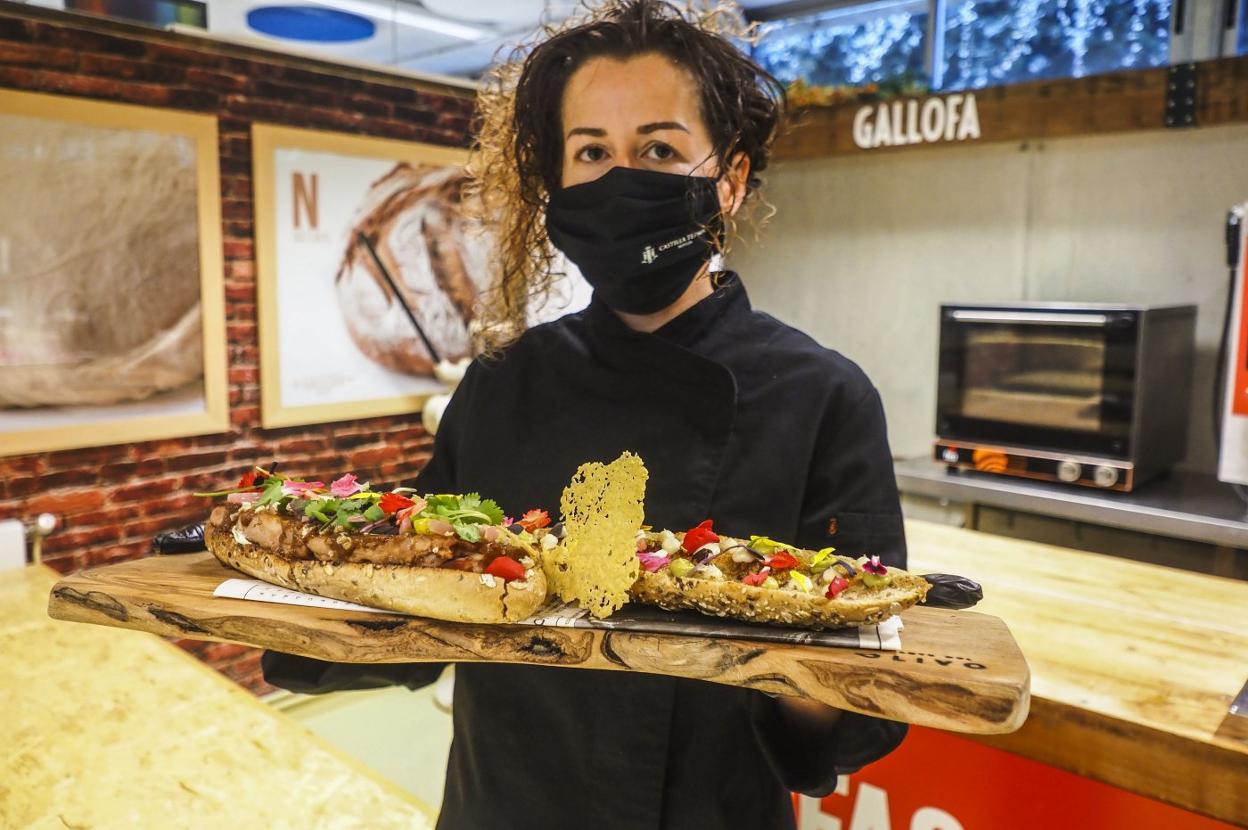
(602, 508)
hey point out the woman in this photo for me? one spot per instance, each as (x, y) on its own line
(637, 136)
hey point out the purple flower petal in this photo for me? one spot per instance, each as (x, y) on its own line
(653, 561)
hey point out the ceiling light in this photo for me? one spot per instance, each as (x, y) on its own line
(414, 18)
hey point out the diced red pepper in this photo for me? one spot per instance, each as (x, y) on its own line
(505, 568)
(836, 586)
(756, 579)
(392, 502)
(534, 519)
(782, 561)
(698, 536)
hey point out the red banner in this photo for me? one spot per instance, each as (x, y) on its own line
(938, 781)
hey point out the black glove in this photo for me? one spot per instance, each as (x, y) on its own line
(950, 591)
(187, 539)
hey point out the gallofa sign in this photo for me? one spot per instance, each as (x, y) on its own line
(943, 118)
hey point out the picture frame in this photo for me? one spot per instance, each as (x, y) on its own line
(337, 340)
(112, 317)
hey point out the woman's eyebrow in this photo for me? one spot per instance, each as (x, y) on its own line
(594, 131)
(645, 129)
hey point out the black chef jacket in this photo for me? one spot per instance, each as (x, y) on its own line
(738, 418)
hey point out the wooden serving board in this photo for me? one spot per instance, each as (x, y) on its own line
(958, 670)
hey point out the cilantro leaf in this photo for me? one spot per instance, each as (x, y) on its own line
(492, 511)
(272, 493)
(467, 532)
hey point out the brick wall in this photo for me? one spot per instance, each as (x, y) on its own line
(111, 500)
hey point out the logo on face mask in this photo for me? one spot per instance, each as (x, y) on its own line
(649, 254)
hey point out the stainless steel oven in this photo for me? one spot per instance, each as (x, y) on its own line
(1085, 394)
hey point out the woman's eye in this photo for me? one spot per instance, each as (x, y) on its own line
(592, 153)
(660, 152)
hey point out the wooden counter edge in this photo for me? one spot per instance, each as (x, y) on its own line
(1199, 776)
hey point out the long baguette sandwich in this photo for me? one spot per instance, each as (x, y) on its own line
(762, 580)
(444, 556)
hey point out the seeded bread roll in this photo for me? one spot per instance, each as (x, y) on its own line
(855, 606)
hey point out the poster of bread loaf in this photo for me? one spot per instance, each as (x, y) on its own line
(111, 318)
(369, 268)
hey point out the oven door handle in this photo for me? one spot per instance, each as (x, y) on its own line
(1037, 318)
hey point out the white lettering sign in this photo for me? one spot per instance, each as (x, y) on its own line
(942, 118)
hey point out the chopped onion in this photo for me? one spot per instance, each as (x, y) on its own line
(489, 533)
(243, 498)
(438, 526)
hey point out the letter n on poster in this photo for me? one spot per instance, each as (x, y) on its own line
(342, 221)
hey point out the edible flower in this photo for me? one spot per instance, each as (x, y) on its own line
(756, 579)
(762, 544)
(394, 502)
(534, 520)
(823, 554)
(249, 479)
(699, 536)
(301, 488)
(346, 486)
(782, 561)
(874, 566)
(836, 586)
(652, 562)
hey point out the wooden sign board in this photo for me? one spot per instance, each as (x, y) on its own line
(1109, 103)
(957, 670)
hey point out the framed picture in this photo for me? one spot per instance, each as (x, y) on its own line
(368, 272)
(112, 324)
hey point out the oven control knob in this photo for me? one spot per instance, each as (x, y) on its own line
(1069, 471)
(950, 455)
(1105, 476)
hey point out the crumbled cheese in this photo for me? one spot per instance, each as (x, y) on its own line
(708, 572)
(669, 542)
(488, 580)
(237, 533)
(549, 542)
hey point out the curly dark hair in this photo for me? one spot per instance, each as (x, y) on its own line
(518, 156)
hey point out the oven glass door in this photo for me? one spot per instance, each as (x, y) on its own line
(1055, 380)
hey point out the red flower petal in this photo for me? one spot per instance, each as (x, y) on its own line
(781, 561)
(534, 520)
(698, 536)
(392, 502)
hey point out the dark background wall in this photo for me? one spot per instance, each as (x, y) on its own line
(112, 499)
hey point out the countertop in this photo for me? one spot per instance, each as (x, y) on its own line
(119, 729)
(1134, 666)
(1184, 505)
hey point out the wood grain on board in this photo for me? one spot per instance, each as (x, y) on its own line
(1099, 104)
(1134, 666)
(959, 671)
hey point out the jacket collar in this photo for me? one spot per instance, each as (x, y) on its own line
(728, 301)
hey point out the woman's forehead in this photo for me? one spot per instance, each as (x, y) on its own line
(613, 94)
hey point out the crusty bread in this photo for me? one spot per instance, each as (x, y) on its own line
(856, 606)
(438, 593)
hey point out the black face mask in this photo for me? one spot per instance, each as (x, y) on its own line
(639, 237)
